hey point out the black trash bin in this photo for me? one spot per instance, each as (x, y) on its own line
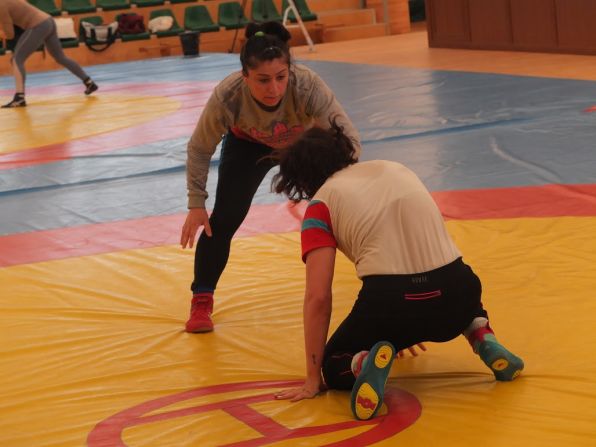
(417, 10)
(190, 43)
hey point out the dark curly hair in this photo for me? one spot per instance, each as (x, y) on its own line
(264, 42)
(306, 164)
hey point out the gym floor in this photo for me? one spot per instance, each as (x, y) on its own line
(94, 288)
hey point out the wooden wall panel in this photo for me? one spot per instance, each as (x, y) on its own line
(565, 26)
(534, 23)
(489, 22)
(576, 23)
(448, 22)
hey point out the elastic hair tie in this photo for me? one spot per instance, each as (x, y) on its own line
(260, 34)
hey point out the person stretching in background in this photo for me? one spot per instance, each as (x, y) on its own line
(39, 29)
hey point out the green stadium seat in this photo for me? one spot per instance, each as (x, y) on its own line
(305, 13)
(231, 15)
(112, 5)
(174, 30)
(197, 18)
(182, 1)
(265, 11)
(47, 6)
(144, 3)
(69, 43)
(78, 6)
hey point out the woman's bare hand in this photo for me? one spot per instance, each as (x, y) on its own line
(197, 217)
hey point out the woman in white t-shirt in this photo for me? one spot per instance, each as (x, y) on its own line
(415, 286)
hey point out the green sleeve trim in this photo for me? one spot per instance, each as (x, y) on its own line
(309, 224)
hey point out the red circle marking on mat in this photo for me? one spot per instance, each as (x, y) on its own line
(402, 411)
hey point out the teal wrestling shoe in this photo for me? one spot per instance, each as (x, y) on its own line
(368, 391)
(504, 365)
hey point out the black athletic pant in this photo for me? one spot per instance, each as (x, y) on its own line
(404, 310)
(241, 171)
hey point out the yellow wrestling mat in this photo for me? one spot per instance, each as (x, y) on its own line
(52, 119)
(100, 338)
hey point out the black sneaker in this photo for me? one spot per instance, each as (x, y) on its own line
(91, 87)
(16, 102)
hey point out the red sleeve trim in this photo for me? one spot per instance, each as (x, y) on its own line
(317, 231)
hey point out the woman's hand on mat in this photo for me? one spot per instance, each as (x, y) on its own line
(195, 218)
(307, 391)
(412, 350)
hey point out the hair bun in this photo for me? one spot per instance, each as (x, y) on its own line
(251, 29)
(277, 29)
(272, 28)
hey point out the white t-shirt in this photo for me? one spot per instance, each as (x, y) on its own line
(381, 216)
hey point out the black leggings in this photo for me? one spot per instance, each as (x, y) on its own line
(241, 171)
(404, 310)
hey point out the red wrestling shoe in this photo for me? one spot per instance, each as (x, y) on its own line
(200, 313)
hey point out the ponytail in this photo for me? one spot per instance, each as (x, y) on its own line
(264, 42)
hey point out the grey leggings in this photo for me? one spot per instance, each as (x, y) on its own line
(31, 39)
